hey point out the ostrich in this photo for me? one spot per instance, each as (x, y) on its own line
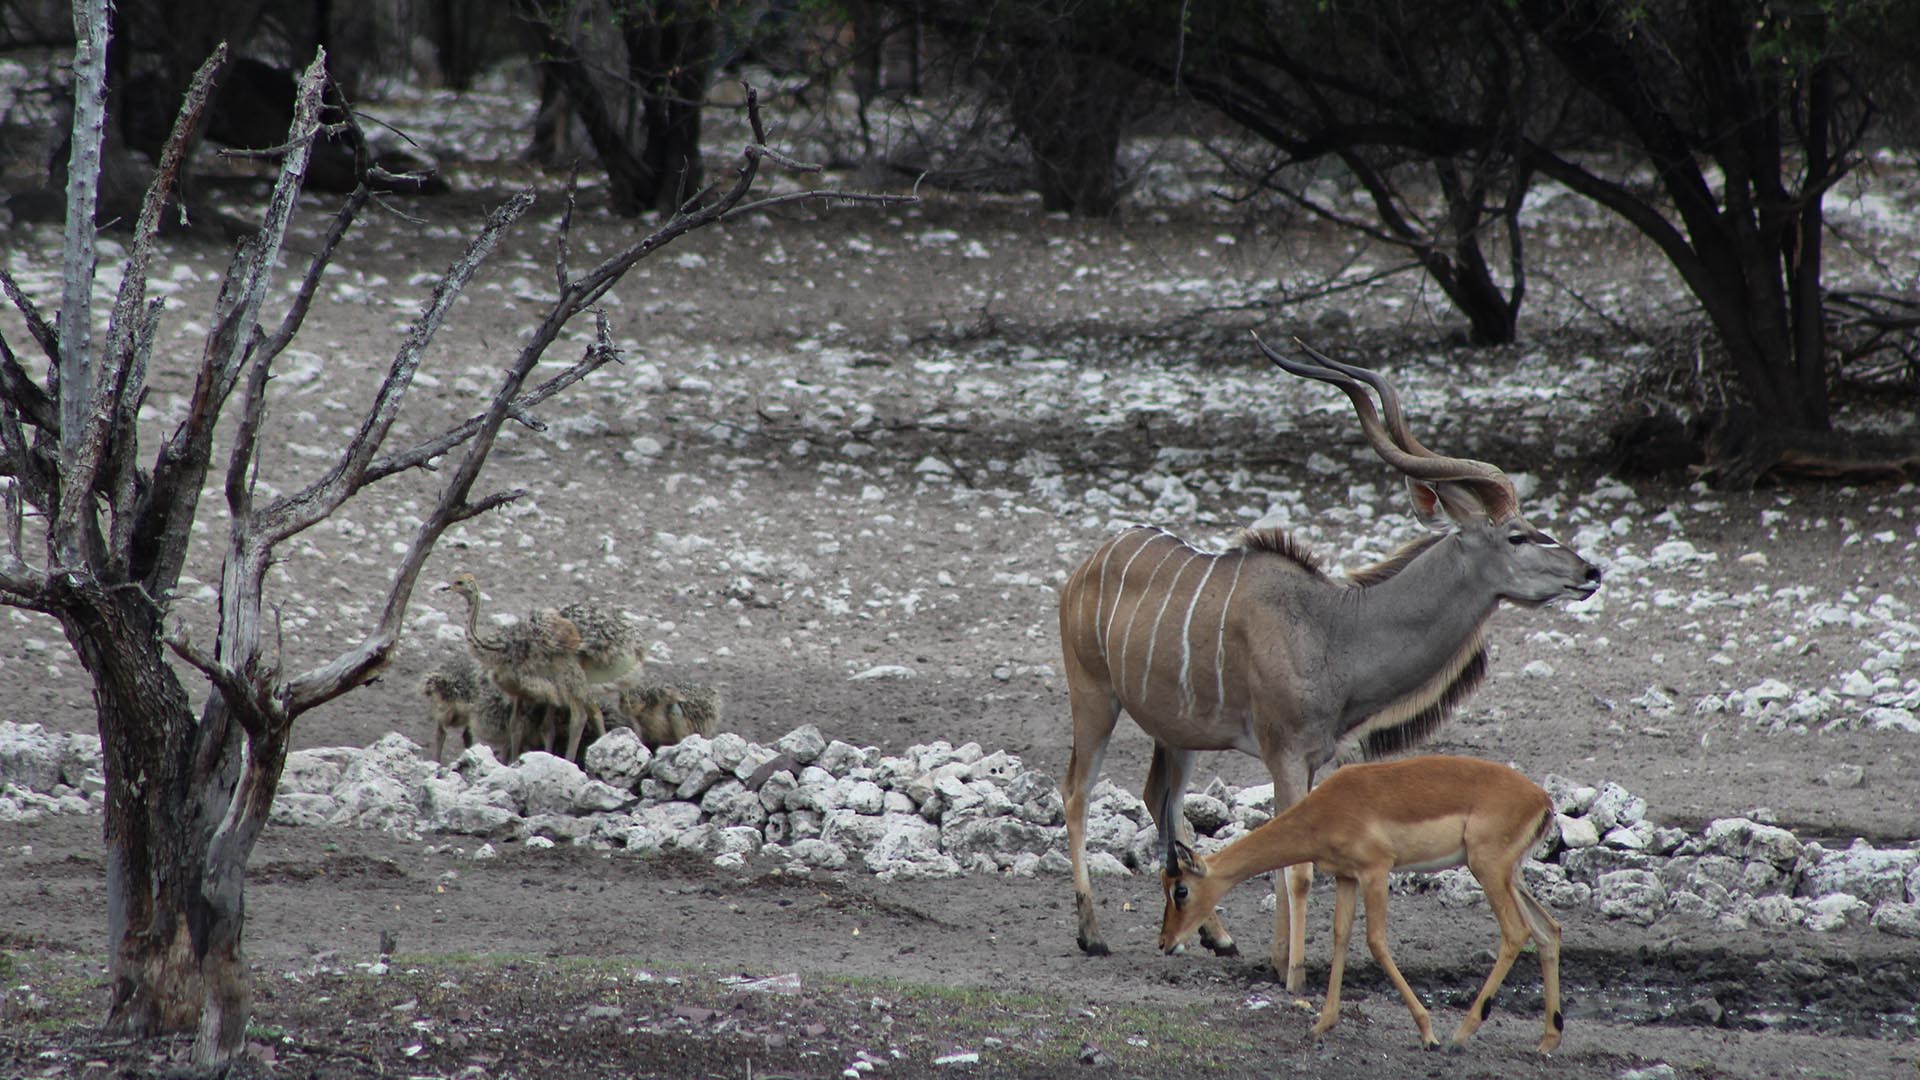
(460, 698)
(535, 663)
(667, 712)
(452, 691)
(609, 644)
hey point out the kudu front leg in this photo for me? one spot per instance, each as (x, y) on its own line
(1165, 796)
(1289, 951)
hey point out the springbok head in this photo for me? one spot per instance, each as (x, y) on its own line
(1450, 494)
(1191, 895)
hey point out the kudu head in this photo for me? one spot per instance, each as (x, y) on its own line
(1191, 895)
(1522, 563)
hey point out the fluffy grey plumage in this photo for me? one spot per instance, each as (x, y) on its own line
(609, 642)
(535, 663)
(667, 712)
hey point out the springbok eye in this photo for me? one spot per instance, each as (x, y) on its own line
(1179, 894)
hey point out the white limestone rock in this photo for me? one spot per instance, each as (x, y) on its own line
(619, 758)
(1570, 799)
(1875, 875)
(599, 797)
(840, 758)
(1577, 832)
(1616, 807)
(29, 758)
(1764, 913)
(803, 744)
(1634, 895)
(301, 808)
(688, 765)
(818, 853)
(311, 772)
(909, 848)
(549, 784)
(1206, 813)
(1000, 838)
(1900, 920)
(728, 804)
(1742, 838)
(1836, 911)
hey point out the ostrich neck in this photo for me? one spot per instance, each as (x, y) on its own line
(473, 627)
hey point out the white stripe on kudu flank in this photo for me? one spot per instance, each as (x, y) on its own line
(1186, 631)
(1220, 641)
(1118, 661)
(1106, 635)
(1100, 598)
(1154, 638)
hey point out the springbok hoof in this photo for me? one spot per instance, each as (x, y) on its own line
(1095, 948)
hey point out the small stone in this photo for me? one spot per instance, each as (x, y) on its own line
(1836, 911)
(1844, 777)
(1898, 919)
(1577, 832)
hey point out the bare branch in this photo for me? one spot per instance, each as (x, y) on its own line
(826, 195)
(566, 228)
(343, 220)
(37, 324)
(363, 661)
(292, 514)
(79, 261)
(173, 496)
(355, 666)
(421, 454)
(123, 444)
(127, 318)
(229, 683)
(18, 389)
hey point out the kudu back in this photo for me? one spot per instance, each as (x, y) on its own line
(1256, 649)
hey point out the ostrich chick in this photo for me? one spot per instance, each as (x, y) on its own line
(535, 663)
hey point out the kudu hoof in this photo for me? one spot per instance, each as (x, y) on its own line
(1095, 948)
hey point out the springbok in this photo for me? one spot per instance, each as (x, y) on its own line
(1255, 649)
(1425, 813)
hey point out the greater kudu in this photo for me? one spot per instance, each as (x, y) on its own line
(1255, 649)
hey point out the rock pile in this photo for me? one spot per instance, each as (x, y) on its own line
(939, 810)
(43, 773)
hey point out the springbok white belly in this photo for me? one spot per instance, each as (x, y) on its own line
(1457, 857)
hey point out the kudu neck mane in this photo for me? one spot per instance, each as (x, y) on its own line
(1415, 716)
(1283, 543)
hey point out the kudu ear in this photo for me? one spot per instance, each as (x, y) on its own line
(1443, 506)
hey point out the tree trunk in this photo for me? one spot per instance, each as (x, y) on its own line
(670, 58)
(175, 862)
(1492, 318)
(1067, 107)
(152, 855)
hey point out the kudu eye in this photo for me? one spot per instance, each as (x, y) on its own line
(1179, 894)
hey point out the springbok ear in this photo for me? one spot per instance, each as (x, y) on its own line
(1443, 506)
(1182, 860)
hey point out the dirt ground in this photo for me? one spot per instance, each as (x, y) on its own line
(831, 447)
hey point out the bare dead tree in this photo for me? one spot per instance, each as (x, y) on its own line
(187, 791)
